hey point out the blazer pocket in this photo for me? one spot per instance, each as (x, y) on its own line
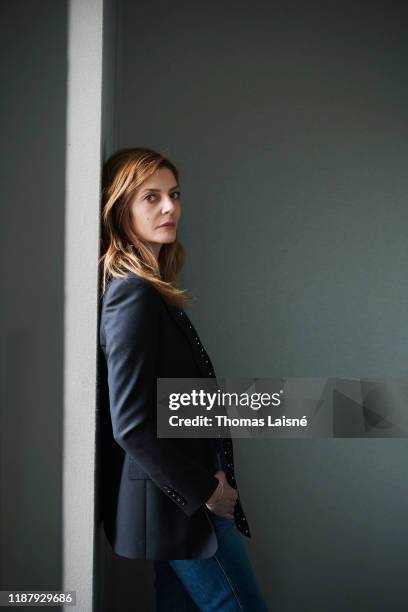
(135, 472)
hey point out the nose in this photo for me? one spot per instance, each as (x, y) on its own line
(168, 205)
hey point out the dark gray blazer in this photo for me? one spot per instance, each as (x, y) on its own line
(152, 490)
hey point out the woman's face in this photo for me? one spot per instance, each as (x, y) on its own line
(157, 201)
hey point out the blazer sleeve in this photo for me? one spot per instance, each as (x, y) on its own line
(129, 336)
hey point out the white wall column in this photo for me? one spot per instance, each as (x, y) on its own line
(84, 111)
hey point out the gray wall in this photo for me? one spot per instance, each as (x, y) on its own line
(33, 111)
(289, 124)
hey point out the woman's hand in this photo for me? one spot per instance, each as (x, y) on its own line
(224, 505)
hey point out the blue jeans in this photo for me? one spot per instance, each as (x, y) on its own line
(222, 583)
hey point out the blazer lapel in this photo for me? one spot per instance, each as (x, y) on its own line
(201, 357)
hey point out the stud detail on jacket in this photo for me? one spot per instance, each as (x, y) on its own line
(225, 445)
(174, 495)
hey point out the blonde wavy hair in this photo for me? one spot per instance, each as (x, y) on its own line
(122, 251)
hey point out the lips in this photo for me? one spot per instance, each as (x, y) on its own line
(168, 225)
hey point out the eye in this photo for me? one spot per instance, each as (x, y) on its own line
(176, 195)
(150, 195)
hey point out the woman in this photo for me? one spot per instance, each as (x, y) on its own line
(173, 501)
